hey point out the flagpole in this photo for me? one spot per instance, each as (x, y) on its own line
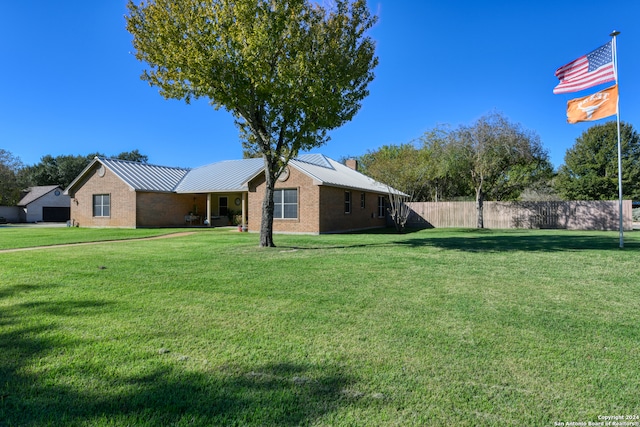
(615, 68)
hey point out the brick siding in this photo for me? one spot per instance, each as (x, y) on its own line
(334, 218)
(321, 209)
(169, 209)
(123, 201)
(308, 202)
(131, 209)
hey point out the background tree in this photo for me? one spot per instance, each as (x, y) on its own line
(59, 170)
(499, 158)
(590, 169)
(10, 185)
(62, 170)
(288, 71)
(402, 168)
(492, 159)
(132, 156)
(425, 168)
(445, 177)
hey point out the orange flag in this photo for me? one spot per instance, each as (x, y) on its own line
(593, 107)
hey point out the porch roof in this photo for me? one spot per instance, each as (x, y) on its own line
(221, 177)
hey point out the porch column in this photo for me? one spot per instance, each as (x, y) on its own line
(209, 209)
(244, 211)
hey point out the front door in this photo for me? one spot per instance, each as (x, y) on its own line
(223, 206)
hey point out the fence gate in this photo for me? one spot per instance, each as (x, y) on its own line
(546, 215)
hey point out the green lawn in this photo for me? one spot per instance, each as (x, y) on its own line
(435, 328)
(20, 237)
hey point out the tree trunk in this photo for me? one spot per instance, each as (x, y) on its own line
(266, 225)
(480, 207)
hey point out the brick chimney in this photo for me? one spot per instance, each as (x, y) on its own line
(352, 163)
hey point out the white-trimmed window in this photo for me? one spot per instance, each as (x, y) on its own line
(363, 197)
(347, 202)
(285, 203)
(101, 205)
(382, 206)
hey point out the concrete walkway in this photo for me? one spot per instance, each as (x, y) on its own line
(62, 245)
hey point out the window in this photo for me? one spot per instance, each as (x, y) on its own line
(223, 206)
(347, 202)
(285, 204)
(381, 206)
(362, 198)
(101, 205)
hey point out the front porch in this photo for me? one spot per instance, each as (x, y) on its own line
(220, 210)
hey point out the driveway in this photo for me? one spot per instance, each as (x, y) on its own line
(34, 225)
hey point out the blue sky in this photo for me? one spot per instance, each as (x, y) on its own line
(70, 84)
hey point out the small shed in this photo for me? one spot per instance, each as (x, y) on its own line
(46, 203)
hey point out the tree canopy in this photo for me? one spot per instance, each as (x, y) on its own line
(445, 177)
(62, 170)
(10, 186)
(133, 156)
(288, 71)
(499, 158)
(491, 159)
(399, 166)
(590, 170)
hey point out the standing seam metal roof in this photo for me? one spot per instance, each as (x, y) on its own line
(146, 177)
(226, 176)
(327, 171)
(233, 175)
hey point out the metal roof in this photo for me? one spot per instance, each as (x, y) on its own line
(226, 176)
(232, 175)
(35, 193)
(326, 171)
(146, 177)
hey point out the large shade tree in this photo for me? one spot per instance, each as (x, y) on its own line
(288, 70)
(590, 169)
(499, 158)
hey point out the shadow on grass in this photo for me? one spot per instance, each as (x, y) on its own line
(12, 290)
(474, 240)
(484, 240)
(68, 392)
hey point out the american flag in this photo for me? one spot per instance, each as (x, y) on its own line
(587, 71)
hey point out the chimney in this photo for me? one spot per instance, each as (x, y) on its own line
(352, 163)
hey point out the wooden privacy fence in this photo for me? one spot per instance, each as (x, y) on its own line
(572, 215)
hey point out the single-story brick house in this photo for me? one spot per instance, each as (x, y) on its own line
(314, 195)
(45, 203)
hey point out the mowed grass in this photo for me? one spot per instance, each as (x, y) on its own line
(21, 237)
(437, 327)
